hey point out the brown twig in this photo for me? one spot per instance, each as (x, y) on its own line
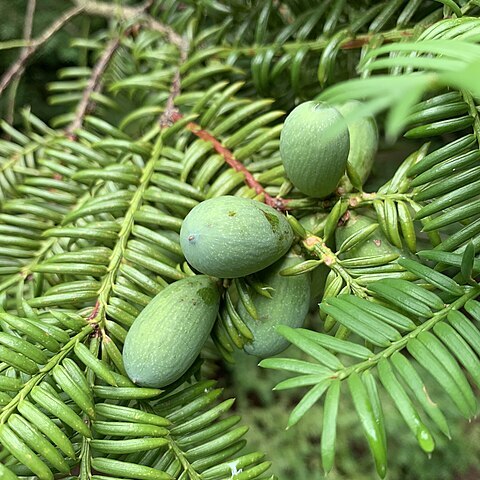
(111, 10)
(138, 14)
(28, 25)
(171, 114)
(28, 51)
(93, 85)
(275, 202)
(128, 13)
(172, 36)
(320, 44)
(27, 35)
(94, 311)
(363, 40)
(95, 82)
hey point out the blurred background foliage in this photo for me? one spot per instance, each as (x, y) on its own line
(54, 55)
(296, 453)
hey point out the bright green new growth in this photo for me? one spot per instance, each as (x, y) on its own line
(315, 158)
(169, 333)
(288, 306)
(230, 237)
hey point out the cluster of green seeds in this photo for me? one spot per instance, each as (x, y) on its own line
(231, 237)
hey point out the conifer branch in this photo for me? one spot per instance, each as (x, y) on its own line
(348, 43)
(110, 10)
(8, 409)
(231, 161)
(95, 81)
(186, 465)
(93, 86)
(128, 13)
(92, 8)
(27, 35)
(170, 114)
(97, 315)
(472, 108)
(28, 24)
(26, 53)
(402, 343)
(317, 247)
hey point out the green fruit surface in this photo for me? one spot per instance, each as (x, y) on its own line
(315, 159)
(288, 306)
(231, 237)
(169, 333)
(363, 144)
(314, 222)
(374, 245)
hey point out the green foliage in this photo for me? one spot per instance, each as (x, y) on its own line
(56, 53)
(295, 452)
(183, 104)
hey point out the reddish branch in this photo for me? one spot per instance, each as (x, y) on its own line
(94, 311)
(28, 51)
(363, 40)
(171, 115)
(230, 160)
